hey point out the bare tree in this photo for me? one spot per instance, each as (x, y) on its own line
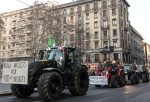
(46, 21)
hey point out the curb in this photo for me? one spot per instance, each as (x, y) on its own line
(5, 93)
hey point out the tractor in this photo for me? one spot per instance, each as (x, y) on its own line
(144, 73)
(114, 73)
(132, 73)
(62, 69)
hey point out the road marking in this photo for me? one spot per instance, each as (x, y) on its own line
(94, 93)
(113, 96)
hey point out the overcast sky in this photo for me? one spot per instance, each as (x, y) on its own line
(139, 13)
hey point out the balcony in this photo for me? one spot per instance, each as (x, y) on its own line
(105, 27)
(107, 49)
(105, 37)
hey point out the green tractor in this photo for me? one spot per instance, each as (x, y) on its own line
(61, 70)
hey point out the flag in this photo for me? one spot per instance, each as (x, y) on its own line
(51, 41)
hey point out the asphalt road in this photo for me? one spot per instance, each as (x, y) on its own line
(129, 93)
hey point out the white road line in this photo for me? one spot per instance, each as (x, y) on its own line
(113, 96)
(94, 93)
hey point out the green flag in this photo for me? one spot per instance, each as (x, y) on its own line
(51, 41)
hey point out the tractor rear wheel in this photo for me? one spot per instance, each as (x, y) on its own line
(114, 82)
(133, 79)
(23, 91)
(81, 82)
(122, 80)
(50, 86)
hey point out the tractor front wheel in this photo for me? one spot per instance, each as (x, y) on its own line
(50, 86)
(81, 82)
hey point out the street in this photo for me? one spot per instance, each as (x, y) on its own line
(129, 93)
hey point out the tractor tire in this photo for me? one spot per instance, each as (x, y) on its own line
(50, 86)
(147, 77)
(114, 82)
(143, 78)
(122, 80)
(133, 79)
(23, 91)
(81, 83)
(97, 85)
(137, 78)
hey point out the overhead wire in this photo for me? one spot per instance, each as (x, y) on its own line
(23, 2)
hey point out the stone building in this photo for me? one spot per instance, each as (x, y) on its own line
(137, 49)
(101, 29)
(147, 54)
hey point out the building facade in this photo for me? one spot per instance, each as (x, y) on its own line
(101, 30)
(137, 49)
(147, 54)
(1, 33)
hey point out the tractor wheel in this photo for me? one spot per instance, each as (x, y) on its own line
(23, 91)
(147, 77)
(114, 82)
(133, 79)
(122, 80)
(50, 86)
(143, 78)
(137, 78)
(81, 82)
(97, 85)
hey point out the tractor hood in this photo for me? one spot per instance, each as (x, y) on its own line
(41, 64)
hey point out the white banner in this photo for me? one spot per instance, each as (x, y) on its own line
(98, 80)
(15, 72)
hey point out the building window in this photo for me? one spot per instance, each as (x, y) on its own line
(104, 4)
(105, 24)
(96, 35)
(72, 37)
(113, 11)
(87, 7)
(104, 13)
(87, 36)
(79, 9)
(114, 3)
(88, 58)
(114, 32)
(115, 43)
(96, 44)
(71, 17)
(116, 57)
(65, 21)
(96, 58)
(95, 6)
(79, 18)
(87, 45)
(114, 22)
(95, 15)
(87, 16)
(105, 33)
(87, 26)
(65, 12)
(72, 11)
(105, 43)
(95, 24)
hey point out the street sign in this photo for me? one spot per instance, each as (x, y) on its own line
(98, 80)
(15, 72)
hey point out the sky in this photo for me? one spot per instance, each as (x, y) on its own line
(139, 14)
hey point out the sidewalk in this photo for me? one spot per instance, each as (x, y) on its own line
(4, 89)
